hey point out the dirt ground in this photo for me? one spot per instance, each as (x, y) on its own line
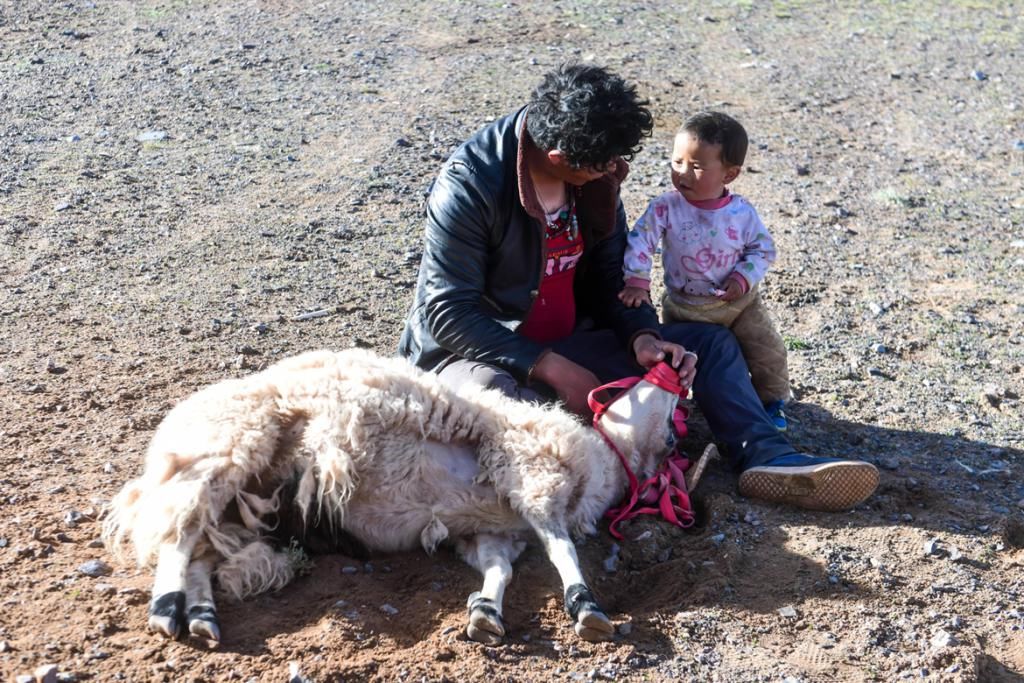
(180, 182)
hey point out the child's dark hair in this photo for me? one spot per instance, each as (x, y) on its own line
(716, 128)
(589, 114)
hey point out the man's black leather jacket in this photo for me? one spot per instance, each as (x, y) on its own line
(483, 257)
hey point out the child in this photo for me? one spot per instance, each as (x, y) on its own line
(715, 250)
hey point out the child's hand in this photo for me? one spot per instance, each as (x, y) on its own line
(634, 296)
(733, 290)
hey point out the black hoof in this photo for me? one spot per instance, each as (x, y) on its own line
(203, 623)
(485, 625)
(167, 613)
(592, 624)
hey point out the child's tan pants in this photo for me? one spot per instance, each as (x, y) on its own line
(748, 319)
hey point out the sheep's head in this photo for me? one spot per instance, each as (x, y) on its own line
(643, 421)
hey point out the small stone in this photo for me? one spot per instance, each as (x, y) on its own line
(293, 674)
(875, 309)
(47, 673)
(941, 639)
(402, 142)
(349, 569)
(388, 609)
(95, 568)
(625, 629)
(803, 170)
(788, 612)
(53, 368)
(931, 547)
(979, 75)
(108, 468)
(151, 136)
(611, 563)
(718, 539)
(25, 678)
(879, 349)
(1020, 503)
(5, 646)
(72, 518)
(956, 623)
(875, 372)
(891, 464)
(954, 554)
(62, 206)
(95, 543)
(1019, 145)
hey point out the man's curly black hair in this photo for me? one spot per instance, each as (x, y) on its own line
(589, 114)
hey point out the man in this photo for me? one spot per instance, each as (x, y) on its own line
(522, 266)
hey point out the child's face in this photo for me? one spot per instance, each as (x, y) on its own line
(697, 168)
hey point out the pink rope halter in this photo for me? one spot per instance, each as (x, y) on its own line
(667, 487)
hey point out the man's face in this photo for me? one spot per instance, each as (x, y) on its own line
(563, 170)
(697, 168)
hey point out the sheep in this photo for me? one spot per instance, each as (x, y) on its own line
(377, 449)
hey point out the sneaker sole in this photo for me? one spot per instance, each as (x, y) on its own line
(829, 486)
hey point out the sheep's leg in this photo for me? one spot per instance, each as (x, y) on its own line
(167, 608)
(492, 556)
(592, 623)
(199, 606)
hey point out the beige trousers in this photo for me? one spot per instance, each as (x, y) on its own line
(760, 342)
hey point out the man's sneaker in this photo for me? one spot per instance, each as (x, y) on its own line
(778, 416)
(811, 482)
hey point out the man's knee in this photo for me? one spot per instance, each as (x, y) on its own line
(702, 338)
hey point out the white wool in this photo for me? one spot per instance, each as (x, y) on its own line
(352, 430)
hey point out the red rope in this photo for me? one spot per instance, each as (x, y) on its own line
(667, 487)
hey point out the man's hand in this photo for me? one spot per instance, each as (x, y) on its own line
(733, 290)
(649, 351)
(572, 382)
(634, 296)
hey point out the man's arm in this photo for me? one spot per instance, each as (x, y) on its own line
(455, 256)
(605, 281)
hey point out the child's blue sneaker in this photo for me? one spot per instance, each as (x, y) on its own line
(777, 415)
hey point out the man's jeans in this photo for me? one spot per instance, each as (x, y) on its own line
(722, 388)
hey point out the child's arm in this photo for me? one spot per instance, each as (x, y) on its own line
(641, 244)
(758, 254)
